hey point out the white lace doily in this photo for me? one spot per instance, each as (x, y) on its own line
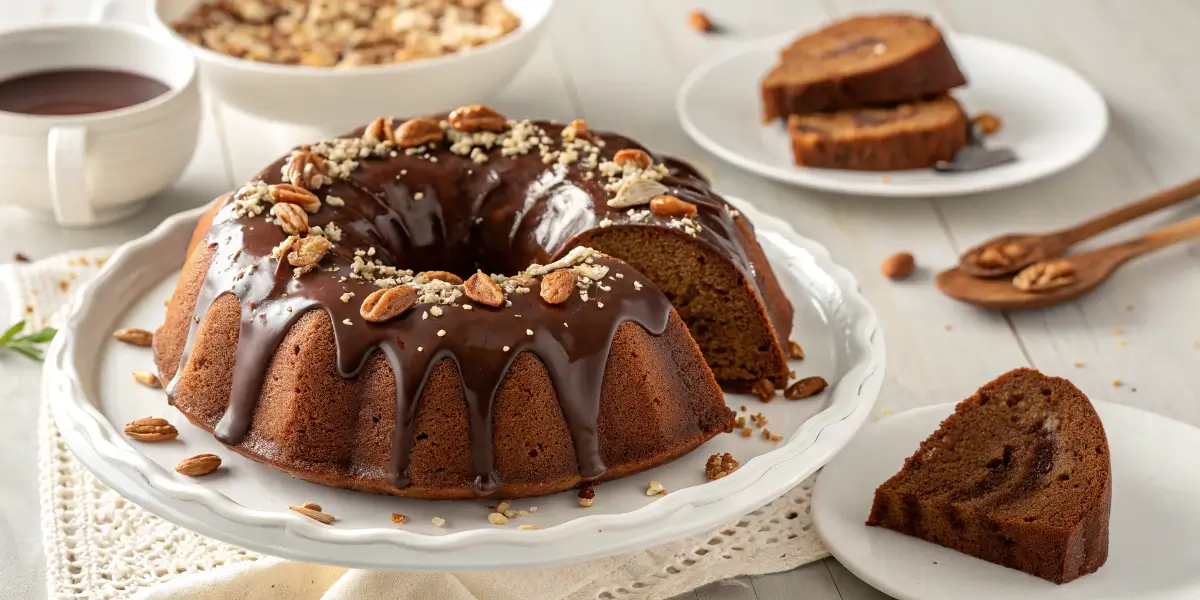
(100, 546)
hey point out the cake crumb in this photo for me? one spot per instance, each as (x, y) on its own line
(503, 506)
(497, 519)
(698, 20)
(438, 521)
(528, 527)
(655, 488)
(1116, 383)
(747, 432)
(532, 509)
(398, 518)
(1078, 364)
(586, 502)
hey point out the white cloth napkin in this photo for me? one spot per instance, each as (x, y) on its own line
(100, 546)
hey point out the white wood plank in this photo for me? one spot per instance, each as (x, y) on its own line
(851, 587)
(810, 582)
(737, 588)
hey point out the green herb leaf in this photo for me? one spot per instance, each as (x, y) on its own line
(12, 331)
(27, 345)
(29, 351)
(40, 337)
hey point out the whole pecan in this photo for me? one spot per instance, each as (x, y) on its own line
(446, 276)
(134, 336)
(805, 388)
(672, 207)
(558, 285)
(379, 131)
(308, 251)
(418, 132)
(480, 288)
(291, 193)
(477, 117)
(199, 465)
(384, 305)
(633, 156)
(151, 429)
(292, 218)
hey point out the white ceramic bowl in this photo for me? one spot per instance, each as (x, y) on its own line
(337, 100)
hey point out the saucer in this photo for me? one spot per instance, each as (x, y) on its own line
(1051, 118)
(1154, 531)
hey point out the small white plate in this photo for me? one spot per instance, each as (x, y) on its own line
(1154, 532)
(92, 394)
(1052, 118)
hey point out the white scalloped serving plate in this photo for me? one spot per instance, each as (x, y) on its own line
(92, 395)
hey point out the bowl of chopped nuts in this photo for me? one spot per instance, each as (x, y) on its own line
(332, 65)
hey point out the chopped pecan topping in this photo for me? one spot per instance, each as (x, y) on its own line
(398, 518)
(146, 378)
(634, 156)
(446, 276)
(558, 285)
(134, 336)
(805, 388)
(379, 131)
(764, 389)
(294, 194)
(577, 129)
(292, 219)
(636, 192)
(384, 305)
(672, 207)
(199, 465)
(418, 132)
(720, 465)
(477, 117)
(480, 288)
(151, 429)
(308, 251)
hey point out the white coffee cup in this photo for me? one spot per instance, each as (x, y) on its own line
(89, 169)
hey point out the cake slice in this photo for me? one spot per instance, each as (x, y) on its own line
(908, 136)
(1019, 475)
(862, 61)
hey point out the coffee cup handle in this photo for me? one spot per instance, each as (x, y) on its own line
(66, 151)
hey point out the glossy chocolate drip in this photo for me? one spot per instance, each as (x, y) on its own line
(451, 214)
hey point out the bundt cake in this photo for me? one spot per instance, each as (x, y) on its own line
(862, 61)
(913, 135)
(321, 325)
(1019, 475)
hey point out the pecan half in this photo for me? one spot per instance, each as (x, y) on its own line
(672, 207)
(199, 465)
(764, 389)
(446, 276)
(146, 378)
(308, 251)
(294, 194)
(292, 219)
(1046, 275)
(384, 305)
(558, 285)
(805, 388)
(477, 117)
(636, 192)
(314, 514)
(151, 429)
(306, 169)
(418, 132)
(134, 336)
(633, 156)
(482, 289)
(379, 131)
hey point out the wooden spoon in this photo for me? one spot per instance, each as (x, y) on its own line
(1008, 254)
(1090, 270)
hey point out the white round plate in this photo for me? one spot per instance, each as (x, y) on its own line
(1052, 118)
(1154, 531)
(92, 395)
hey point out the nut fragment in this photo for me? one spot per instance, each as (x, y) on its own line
(1045, 275)
(636, 192)
(655, 488)
(795, 351)
(308, 251)
(898, 266)
(587, 502)
(477, 117)
(999, 255)
(720, 465)
(199, 465)
(497, 519)
(987, 123)
(418, 132)
(446, 276)
(528, 527)
(314, 514)
(292, 219)
(398, 518)
(134, 336)
(805, 388)
(438, 521)
(633, 156)
(379, 131)
(306, 169)
(147, 378)
(384, 305)
(672, 207)
(482, 289)
(558, 285)
(699, 21)
(577, 129)
(764, 389)
(294, 194)
(312, 506)
(151, 429)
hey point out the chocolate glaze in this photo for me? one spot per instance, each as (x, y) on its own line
(500, 216)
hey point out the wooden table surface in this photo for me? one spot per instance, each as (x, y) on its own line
(619, 63)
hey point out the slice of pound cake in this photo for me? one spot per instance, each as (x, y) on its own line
(915, 135)
(862, 61)
(1019, 475)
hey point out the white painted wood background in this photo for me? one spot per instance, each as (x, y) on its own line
(618, 63)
